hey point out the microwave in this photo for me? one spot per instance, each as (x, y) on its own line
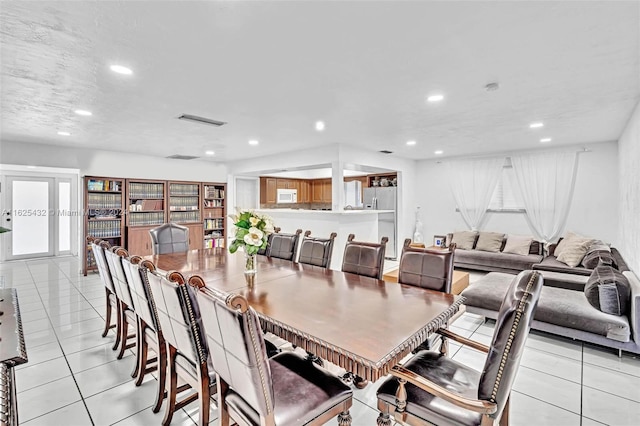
(287, 196)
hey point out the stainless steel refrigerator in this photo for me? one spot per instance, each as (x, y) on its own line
(384, 198)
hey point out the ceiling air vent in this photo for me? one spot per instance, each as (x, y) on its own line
(202, 120)
(182, 157)
(385, 151)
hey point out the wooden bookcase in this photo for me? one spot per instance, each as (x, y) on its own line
(146, 209)
(215, 212)
(104, 214)
(123, 211)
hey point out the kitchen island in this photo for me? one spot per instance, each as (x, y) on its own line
(321, 223)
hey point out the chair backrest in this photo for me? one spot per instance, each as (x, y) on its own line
(143, 302)
(179, 316)
(263, 251)
(284, 246)
(316, 251)
(98, 247)
(430, 269)
(114, 260)
(512, 328)
(364, 258)
(237, 347)
(170, 238)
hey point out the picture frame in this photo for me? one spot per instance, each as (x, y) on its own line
(439, 241)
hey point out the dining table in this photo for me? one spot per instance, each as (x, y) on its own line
(361, 324)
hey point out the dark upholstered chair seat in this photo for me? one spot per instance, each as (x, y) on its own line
(445, 372)
(302, 391)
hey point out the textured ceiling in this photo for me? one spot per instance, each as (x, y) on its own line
(271, 69)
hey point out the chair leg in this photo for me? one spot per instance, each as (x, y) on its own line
(223, 411)
(119, 314)
(124, 333)
(107, 321)
(161, 351)
(171, 385)
(142, 351)
(504, 419)
(344, 418)
(384, 419)
(204, 397)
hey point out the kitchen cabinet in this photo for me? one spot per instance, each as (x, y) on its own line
(304, 195)
(268, 190)
(321, 192)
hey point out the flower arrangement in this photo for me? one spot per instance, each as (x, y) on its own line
(252, 231)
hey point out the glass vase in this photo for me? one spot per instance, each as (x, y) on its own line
(250, 264)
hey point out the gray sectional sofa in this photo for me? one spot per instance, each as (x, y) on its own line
(497, 261)
(564, 311)
(551, 263)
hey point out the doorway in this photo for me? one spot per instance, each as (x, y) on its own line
(41, 211)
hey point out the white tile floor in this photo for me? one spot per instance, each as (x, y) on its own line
(73, 378)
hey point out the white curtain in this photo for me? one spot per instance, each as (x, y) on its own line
(472, 184)
(546, 183)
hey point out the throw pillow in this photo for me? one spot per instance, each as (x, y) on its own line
(595, 258)
(517, 244)
(599, 245)
(464, 240)
(608, 291)
(574, 250)
(489, 241)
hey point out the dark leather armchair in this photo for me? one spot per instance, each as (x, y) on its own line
(128, 316)
(170, 238)
(149, 332)
(316, 251)
(364, 258)
(255, 390)
(284, 246)
(112, 305)
(430, 269)
(431, 388)
(187, 350)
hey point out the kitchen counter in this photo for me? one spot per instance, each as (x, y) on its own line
(321, 223)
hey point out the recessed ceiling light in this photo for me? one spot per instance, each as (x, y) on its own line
(319, 126)
(536, 125)
(438, 152)
(210, 152)
(545, 140)
(83, 112)
(31, 167)
(435, 98)
(411, 143)
(253, 142)
(121, 70)
(64, 133)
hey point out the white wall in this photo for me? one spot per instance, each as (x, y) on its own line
(629, 190)
(594, 210)
(93, 162)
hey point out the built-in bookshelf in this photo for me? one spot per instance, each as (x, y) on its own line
(146, 203)
(184, 202)
(214, 208)
(103, 214)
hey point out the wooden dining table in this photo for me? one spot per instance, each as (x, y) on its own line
(361, 324)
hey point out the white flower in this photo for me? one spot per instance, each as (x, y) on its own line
(254, 221)
(254, 237)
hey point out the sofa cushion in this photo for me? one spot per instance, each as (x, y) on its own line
(489, 241)
(550, 263)
(596, 258)
(494, 261)
(517, 244)
(608, 290)
(573, 243)
(599, 245)
(557, 306)
(464, 240)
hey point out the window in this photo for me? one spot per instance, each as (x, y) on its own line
(506, 196)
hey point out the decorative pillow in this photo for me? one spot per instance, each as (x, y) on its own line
(597, 258)
(574, 250)
(568, 237)
(608, 291)
(464, 239)
(489, 241)
(599, 245)
(517, 244)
